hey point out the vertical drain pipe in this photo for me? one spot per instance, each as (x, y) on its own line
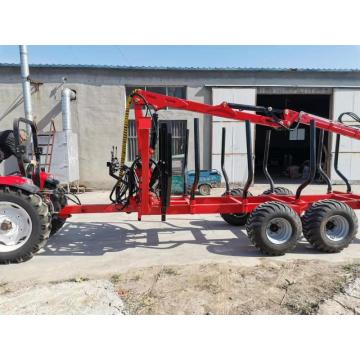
(68, 140)
(67, 95)
(24, 64)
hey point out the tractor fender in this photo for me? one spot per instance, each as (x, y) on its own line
(18, 182)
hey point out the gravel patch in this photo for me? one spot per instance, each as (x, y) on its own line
(96, 297)
(344, 303)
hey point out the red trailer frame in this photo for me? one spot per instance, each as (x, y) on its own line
(146, 203)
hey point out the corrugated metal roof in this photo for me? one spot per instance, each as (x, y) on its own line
(174, 68)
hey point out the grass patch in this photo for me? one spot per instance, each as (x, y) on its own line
(78, 279)
(167, 270)
(3, 289)
(115, 278)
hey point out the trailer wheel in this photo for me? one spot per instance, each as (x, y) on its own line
(279, 190)
(238, 219)
(329, 225)
(204, 189)
(25, 224)
(274, 228)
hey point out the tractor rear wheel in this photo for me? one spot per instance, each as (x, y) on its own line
(329, 225)
(238, 219)
(25, 224)
(274, 228)
(279, 190)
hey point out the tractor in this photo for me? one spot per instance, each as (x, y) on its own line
(30, 201)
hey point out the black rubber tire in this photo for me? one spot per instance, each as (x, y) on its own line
(237, 191)
(204, 189)
(259, 220)
(279, 190)
(41, 224)
(236, 219)
(316, 218)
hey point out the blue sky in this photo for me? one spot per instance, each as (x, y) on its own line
(334, 57)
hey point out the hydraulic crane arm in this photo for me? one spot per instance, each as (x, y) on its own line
(145, 186)
(274, 118)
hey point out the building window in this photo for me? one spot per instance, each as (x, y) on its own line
(178, 132)
(179, 91)
(178, 135)
(175, 91)
(132, 141)
(297, 134)
(157, 89)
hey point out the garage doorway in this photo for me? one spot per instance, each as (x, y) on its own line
(289, 151)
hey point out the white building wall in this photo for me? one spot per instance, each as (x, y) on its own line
(346, 100)
(235, 149)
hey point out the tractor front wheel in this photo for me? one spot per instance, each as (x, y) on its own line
(25, 224)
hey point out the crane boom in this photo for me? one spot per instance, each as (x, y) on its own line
(274, 118)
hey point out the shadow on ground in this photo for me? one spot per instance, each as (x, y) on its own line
(97, 238)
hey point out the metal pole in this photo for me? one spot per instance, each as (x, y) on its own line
(250, 177)
(67, 95)
(312, 172)
(336, 160)
(223, 138)
(265, 161)
(185, 161)
(318, 161)
(24, 64)
(197, 158)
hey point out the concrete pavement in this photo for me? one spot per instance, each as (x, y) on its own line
(99, 245)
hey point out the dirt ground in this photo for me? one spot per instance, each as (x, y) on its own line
(297, 287)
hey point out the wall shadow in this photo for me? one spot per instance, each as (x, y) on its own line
(97, 238)
(46, 119)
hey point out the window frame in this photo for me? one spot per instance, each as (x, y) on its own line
(132, 143)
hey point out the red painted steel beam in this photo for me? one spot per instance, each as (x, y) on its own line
(208, 205)
(289, 117)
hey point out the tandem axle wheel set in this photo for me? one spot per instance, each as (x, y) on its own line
(274, 226)
(33, 206)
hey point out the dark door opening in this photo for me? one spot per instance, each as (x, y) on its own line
(289, 151)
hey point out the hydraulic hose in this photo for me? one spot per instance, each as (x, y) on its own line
(123, 149)
(127, 183)
(125, 130)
